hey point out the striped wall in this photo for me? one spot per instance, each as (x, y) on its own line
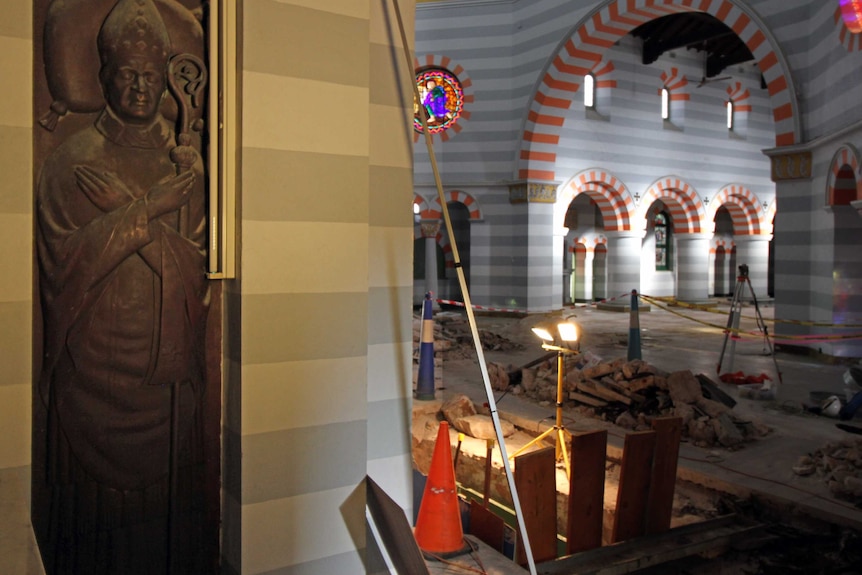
(622, 155)
(598, 32)
(319, 385)
(18, 552)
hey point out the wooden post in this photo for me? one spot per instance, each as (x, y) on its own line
(586, 491)
(635, 477)
(536, 480)
(660, 503)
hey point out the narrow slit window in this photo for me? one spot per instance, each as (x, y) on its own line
(589, 91)
(665, 104)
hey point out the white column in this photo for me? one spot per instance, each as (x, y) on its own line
(584, 276)
(692, 276)
(753, 251)
(623, 263)
(430, 229)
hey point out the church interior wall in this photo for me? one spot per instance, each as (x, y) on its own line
(18, 553)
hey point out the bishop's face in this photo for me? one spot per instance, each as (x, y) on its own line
(134, 86)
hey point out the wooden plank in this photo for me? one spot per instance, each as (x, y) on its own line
(586, 491)
(593, 387)
(587, 399)
(634, 555)
(660, 502)
(536, 482)
(487, 526)
(635, 476)
(397, 535)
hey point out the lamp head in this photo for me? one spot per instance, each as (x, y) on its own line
(562, 331)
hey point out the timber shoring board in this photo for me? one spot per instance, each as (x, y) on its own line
(487, 526)
(395, 531)
(586, 491)
(713, 535)
(536, 482)
(633, 493)
(660, 502)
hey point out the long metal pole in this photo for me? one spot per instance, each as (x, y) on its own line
(492, 404)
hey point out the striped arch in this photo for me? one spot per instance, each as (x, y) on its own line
(686, 209)
(740, 97)
(425, 212)
(434, 61)
(554, 93)
(846, 155)
(676, 84)
(462, 198)
(744, 207)
(852, 42)
(588, 243)
(603, 72)
(446, 246)
(610, 194)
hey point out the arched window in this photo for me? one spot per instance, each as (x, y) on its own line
(665, 104)
(730, 111)
(589, 91)
(663, 243)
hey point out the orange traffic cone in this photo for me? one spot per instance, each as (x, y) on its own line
(438, 526)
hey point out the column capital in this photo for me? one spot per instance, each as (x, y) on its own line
(526, 192)
(430, 228)
(794, 165)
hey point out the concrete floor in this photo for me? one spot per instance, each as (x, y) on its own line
(693, 340)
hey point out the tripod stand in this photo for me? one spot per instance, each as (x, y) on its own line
(733, 324)
(559, 429)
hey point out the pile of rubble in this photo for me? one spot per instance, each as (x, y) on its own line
(840, 465)
(453, 338)
(631, 394)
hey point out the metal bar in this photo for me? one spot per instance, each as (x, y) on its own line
(492, 404)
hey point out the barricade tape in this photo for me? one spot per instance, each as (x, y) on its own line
(757, 334)
(511, 310)
(711, 309)
(480, 307)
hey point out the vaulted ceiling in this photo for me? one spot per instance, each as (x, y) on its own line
(693, 31)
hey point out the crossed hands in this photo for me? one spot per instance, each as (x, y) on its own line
(108, 192)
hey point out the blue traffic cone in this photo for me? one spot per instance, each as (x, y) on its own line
(425, 379)
(634, 351)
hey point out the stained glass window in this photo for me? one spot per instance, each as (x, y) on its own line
(441, 95)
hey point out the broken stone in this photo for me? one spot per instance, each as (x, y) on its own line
(684, 387)
(457, 407)
(528, 379)
(626, 420)
(712, 408)
(726, 431)
(482, 427)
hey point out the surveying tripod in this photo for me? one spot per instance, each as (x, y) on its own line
(733, 323)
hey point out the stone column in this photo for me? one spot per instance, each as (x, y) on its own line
(624, 264)
(538, 261)
(692, 276)
(753, 251)
(584, 276)
(430, 229)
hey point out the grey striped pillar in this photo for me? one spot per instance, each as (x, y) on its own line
(753, 251)
(623, 263)
(692, 262)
